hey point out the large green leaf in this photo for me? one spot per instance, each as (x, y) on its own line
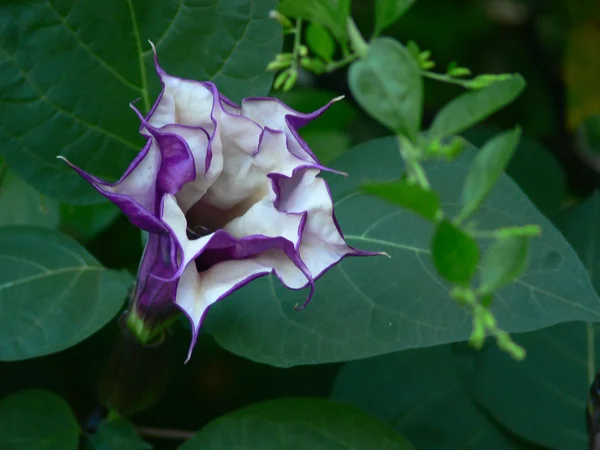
(117, 434)
(86, 221)
(544, 397)
(580, 224)
(387, 84)
(369, 306)
(35, 419)
(420, 394)
(553, 381)
(297, 424)
(53, 293)
(20, 204)
(68, 69)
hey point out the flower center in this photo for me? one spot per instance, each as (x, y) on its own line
(204, 218)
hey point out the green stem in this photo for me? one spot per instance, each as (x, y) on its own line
(445, 78)
(165, 433)
(334, 65)
(297, 41)
(413, 166)
(145, 333)
(357, 42)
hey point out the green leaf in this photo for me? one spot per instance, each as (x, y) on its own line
(23, 205)
(387, 84)
(327, 145)
(407, 195)
(388, 11)
(503, 262)
(86, 221)
(295, 424)
(117, 434)
(455, 253)
(485, 170)
(420, 393)
(553, 381)
(580, 224)
(319, 41)
(369, 306)
(53, 293)
(588, 135)
(66, 91)
(533, 167)
(330, 13)
(542, 398)
(36, 419)
(472, 107)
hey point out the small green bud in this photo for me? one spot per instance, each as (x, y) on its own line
(525, 230)
(414, 50)
(280, 79)
(281, 19)
(459, 72)
(477, 338)
(426, 65)
(303, 50)
(506, 344)
(274, 66)
(284, 57)
(291, 81)
(425, 55)
(314, 65)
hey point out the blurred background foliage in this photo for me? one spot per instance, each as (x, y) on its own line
(552, 43)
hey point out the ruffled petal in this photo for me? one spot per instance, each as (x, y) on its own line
(322, 244)
(276, 115)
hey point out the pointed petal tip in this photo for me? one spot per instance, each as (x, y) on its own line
(298, 307)
(337, 99)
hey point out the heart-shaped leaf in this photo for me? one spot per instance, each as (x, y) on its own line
(295, 424)
(544, 397)
(23, 205)
(69, 69)
(420, 394)
(53, 293)
(387, 84)
(117, 434)
(37, 419)
(369, 306)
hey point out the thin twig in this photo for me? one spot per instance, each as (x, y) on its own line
(165, 433)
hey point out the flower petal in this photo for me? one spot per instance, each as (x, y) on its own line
(322, 242)
(197, 291)
(135, 193)
(276, 115)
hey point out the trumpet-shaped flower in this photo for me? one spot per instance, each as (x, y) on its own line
(227, 193)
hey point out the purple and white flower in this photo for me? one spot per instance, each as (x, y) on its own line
(227, 194)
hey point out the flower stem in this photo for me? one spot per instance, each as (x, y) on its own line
(144, 333)
(410, 155)
(358, 43)
(334, 65)
(445, 78)
(165, 433)
(297, 41)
